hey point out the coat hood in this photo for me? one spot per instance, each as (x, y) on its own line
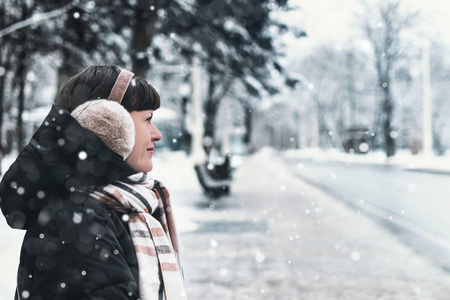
(61, 157)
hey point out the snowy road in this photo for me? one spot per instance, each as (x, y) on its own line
(416, 200)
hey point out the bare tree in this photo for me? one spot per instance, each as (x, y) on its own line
(383, 25)
(440, 74)
(336, 80)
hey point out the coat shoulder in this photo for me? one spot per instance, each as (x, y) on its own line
(84, 248)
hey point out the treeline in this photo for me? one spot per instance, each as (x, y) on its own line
(233, 39)
(368, 92)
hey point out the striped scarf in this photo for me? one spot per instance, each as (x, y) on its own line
(153, 233)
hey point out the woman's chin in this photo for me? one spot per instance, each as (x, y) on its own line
(145, 167)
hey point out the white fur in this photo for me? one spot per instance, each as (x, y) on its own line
(110, 121)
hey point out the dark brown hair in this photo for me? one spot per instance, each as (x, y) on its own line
(96, 82)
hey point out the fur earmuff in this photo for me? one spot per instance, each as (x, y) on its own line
(110, 121)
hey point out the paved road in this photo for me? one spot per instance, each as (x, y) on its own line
(419, 197)
(414, 200)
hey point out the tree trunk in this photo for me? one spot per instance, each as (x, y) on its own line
(21, 77)
(68, 67)
(350, 61)
(248, 123)
(2, 86)
(186, 135)
(210, 108)
(2, 95)
(387, 109)
(146, 15)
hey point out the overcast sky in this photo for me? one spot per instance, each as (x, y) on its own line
(327, 21)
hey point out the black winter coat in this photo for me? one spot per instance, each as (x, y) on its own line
(75, 247)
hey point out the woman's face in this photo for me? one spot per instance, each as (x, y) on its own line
(140, 158)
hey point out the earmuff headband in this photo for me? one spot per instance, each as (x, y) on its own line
(120, 86)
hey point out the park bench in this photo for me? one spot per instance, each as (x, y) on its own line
(215, 180)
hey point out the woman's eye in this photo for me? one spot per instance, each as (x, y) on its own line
(149, 119)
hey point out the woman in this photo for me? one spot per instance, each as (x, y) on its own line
(97, 226)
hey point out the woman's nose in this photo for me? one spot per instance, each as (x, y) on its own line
(155, 133)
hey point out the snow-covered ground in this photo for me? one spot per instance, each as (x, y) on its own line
(402, 158)
(9, 249)
(9, 254)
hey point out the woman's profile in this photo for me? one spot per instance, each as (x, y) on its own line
(97, 225)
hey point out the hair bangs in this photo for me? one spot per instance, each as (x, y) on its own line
(140, 96)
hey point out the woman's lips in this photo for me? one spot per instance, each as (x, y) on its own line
(150, 150)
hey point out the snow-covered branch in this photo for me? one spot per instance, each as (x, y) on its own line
(37, 18)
